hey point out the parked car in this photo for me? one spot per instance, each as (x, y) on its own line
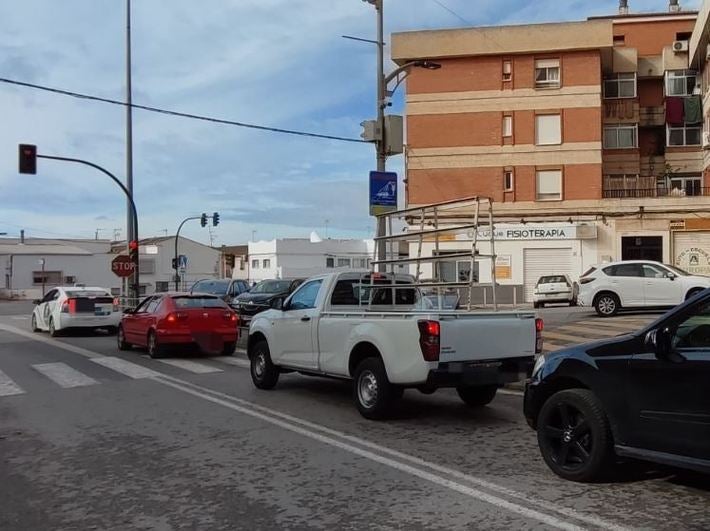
(637, 284)
(171, 319)
(643, 395)
(385, 343)
(259, 298)
(227, 289)
(554, 289)
(64, 308)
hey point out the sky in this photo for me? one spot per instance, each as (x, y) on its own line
(280, 63)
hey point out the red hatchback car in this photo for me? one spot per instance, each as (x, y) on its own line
(171, 319)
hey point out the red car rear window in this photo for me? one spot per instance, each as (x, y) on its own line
(184, 302)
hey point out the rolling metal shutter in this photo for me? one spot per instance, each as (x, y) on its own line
(691, 251)
(541, 262)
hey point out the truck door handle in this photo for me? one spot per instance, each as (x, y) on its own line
(305, 319)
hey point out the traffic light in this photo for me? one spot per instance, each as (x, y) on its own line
(215, 219)
(133, 252)
(175, 264)
(203, 220)
(28, 159)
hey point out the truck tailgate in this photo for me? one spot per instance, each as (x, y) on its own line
(483, 337)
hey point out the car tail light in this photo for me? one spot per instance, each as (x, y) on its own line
(69, 306)
(230, 316)
(586, 280)
(174, 317)
(116, 304)
(430, 339)
(539, 327)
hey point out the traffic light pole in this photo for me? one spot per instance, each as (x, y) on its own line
(135, 288)
(175, 261)
(381, 144)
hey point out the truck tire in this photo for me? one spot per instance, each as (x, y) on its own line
(574, 436)
(264, 373)
(374, 395)
(477, 396)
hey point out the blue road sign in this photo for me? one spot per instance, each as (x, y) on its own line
(182, 261)
(383, 192)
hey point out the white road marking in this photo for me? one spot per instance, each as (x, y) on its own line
(229, 360)
(64, 375)
(19, 318)
(192, 366)
(132, 370)
(510, 392)
(8, 387)
(49, 341)
(397, 465)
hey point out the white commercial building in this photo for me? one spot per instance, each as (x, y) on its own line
(299, 258)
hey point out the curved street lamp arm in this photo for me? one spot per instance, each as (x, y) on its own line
(177, 236)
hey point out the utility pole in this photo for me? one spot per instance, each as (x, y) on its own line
(381, 104)
(131, 230)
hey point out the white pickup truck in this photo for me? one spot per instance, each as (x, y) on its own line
(385, 340)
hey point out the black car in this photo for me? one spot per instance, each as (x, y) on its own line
(226, 289)
(643, 396)
(260, 297)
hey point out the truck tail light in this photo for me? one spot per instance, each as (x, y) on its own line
(69, 306)
(586, 280)
(430, 339)
(539, 327)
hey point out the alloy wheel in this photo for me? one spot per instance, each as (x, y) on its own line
(607, 305)
(569, 436)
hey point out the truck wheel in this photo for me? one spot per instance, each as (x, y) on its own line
(374, 394)
(477, 396)
(264, 373)
(574, 435)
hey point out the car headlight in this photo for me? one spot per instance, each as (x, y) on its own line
(539, 364)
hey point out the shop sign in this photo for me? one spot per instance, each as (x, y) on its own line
(504, 269)
(695, 261)
(677, 224)
(540, 233)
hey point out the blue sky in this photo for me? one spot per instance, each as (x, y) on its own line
(274, 62)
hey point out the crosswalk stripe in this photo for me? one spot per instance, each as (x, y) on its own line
(8, 387)
(132, 370)
(551, 347)
(229, 360)
(64, 375)
(192, 366)
(588, 331)
(564, 337)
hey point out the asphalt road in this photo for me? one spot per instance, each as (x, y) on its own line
(97, 439)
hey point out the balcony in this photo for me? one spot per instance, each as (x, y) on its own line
(652, 117)
(659, 191)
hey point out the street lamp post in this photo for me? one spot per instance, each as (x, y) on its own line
(131, 230)
(203, 220)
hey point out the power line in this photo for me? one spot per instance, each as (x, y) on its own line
(177, 113)
(454, 13)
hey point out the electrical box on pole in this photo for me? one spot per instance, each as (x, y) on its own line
(371, 131)
(394, 139)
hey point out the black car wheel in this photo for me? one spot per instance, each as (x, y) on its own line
(574, 435)
(477, 396)
(229, 348)
(121, 340)
(264, 374)
(607, 305)
(155, 349)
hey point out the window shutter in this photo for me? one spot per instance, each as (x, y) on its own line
(548, 129)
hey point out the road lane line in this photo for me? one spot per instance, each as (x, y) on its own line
(8, 387)
(132, 370)
(64, 375)
(49, 341)
(192, 366)
(237, 362)
(549, 506)
(371, 456)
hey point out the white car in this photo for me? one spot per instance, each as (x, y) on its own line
(76, 307)
(637, 284)
(552, 289)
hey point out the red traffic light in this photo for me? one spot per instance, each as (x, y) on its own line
(28, 159)
(133, 245)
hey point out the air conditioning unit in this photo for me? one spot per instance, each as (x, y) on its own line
(706, 140)
(681, 46)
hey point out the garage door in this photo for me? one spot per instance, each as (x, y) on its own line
(541, 262)
(691, 251)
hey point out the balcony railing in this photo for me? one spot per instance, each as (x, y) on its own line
(640, 193)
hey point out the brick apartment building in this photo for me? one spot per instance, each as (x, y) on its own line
(588, 136)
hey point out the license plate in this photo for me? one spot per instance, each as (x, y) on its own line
(102, 310)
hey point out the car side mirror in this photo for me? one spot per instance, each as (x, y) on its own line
(278, 304)
(670, 276)
(37, 302)
(660, 342)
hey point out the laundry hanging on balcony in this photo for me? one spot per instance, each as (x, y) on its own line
(693, 110)
(675, 111)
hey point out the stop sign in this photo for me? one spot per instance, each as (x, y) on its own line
(122, 266)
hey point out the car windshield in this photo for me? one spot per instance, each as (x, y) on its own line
(185, 302)
(75, 294)
(272, 286)
(677, 270)
(214, 287)
(559, 279)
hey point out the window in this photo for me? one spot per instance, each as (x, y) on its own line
(548, 129)
(650, 271)
(689, 135)
(346, 293)
(507, 70)
(620, 86)
(508, 181)
(146, 266)
(343, 262)
(360, 263)
(693, 332)
(619, 40)
(547, 73)
(621, 136)
(507, 126)
(162, 286)
(683, 35)
(680, 82)
(307, 295)
(255, 264)
(624, 270)
(143, 306)
(153, 306)
(457, 270)
(330, 263)
(266, 264)
(185, 302)
(549, 185)
(686, 186)
(47, 277)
